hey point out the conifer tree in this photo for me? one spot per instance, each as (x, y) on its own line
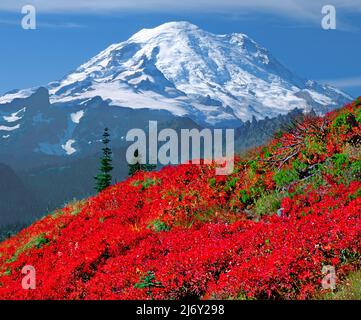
(104, 178)
(137, 166)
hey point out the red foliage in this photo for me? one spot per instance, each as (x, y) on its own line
(183, 233)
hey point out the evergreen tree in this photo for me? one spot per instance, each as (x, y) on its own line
(134, 168)
(137, 166)
(104, 178)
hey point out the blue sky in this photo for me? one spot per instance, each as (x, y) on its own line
(71, 31)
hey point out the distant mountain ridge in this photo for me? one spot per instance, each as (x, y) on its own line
(17, 202)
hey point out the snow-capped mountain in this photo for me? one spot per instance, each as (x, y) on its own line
(180, 68)
(177, 74)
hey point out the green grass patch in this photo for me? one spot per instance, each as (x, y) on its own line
(284, 177)
(148, 182)
(158, 226)
(349, 289)
(36, 242)
(268, 203)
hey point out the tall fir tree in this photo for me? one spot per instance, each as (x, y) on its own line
(104, 178)
(137, 166)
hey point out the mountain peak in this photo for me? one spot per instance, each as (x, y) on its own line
(180, 68)
(173, 27)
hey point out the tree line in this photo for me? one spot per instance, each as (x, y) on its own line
(104, 178)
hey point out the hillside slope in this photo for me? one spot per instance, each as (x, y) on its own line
(264, 232)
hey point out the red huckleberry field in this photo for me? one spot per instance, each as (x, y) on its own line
(265, 232)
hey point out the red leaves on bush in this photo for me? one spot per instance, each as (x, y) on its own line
(184, 233)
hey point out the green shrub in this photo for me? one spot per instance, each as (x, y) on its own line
(358, 114)
(212, 182)
(285, 177)
(314, 146)
(358, 102)
(244, 197)
(298, 165)
(231, 184)
(36, 242)
(278, 134)
(253, 165)
(266, 153)
(159, 226)
(148, 282)
(148, 182)
(340, 163)
(257, 190)
(356, 167)
(342, 120)
(268, 204)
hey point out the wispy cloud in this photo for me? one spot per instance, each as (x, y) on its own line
(9, 22)
(43, 24)
(304, 13)
(297, 8)
(350, 82)
(63, 25)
